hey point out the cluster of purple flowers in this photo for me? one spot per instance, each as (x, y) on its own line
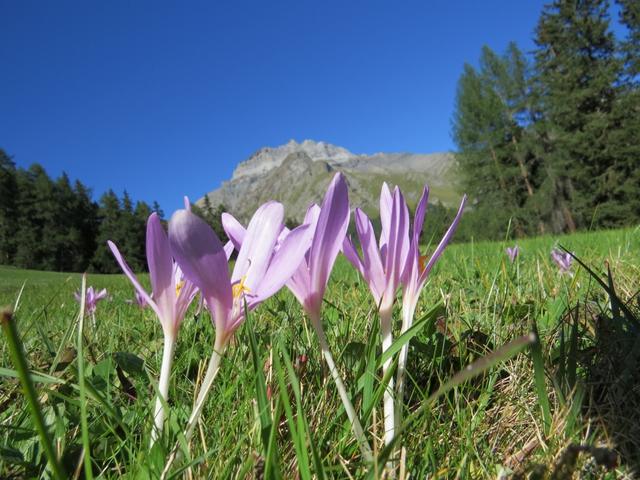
(191, 259)
(563, 260)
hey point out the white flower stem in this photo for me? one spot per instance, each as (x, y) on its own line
(389, 406)
(407, 320)
(163, 387)
(212, 371)
(342, 391)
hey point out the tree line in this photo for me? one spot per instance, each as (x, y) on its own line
(550, 140)
(48, 224)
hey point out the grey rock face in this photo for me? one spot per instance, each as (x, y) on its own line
(297, 174)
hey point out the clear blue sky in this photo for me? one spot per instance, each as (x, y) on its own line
(165, 98)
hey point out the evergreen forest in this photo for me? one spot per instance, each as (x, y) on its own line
(550, 140)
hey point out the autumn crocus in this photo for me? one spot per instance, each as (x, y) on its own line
(414, 277)
(381, 266)
(512, 253)
(563, 260)
(260, 271)
(172, 295)
(328, 226)
(138, 299)
(91, 299)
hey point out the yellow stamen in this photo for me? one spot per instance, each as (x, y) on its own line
(239, 288)
(179, 286)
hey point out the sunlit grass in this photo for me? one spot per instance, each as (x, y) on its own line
(494, 420)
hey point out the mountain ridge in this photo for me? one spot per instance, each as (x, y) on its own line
(297, 175)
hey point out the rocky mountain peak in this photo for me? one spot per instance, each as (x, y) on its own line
(297, 174)
(268, 158)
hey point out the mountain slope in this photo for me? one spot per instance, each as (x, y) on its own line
(297, 174)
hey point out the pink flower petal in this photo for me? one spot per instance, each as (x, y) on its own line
(443, 243)
(330, 232)
(258, 245)
(134, 280)
(234, 230)
(201, 256)
(160, 264)
(373, 271)
(285, 262)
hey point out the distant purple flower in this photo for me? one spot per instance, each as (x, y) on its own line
(512, 253)
(562, 259)
(140, 300)
(91, 298)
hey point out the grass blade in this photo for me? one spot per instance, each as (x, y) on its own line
(264, 408)
(297, 424)
(539, 378)
(612, 294)
(483, 364)
(86, 446)
(18, 357)
(411, 332)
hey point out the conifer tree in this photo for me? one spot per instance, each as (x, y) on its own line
(489, 123)
(85, 213)
(8, 208)
(627, 115)
(213, 216)
(577, 72)
(109, 218)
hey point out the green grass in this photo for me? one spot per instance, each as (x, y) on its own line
(296, 425)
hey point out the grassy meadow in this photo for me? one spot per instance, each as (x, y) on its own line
(566, 407)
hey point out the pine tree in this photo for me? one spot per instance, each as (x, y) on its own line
(66, 236)
(130, 229)
(577, 72)
(36, 235)
(8, 208)
(141, 215)
(630, 18)
(489, 127)
(155, 207)
(627, 115)
(85, 213)
(109, 218)
(26, 234)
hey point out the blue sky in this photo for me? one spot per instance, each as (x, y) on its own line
(165, 98)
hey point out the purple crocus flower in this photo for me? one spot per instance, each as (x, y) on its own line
(328, 224)
(261, 269)
(172, 292)
(512, 253)
(563, 260)
(91, 299)
(172, 295)
(381, 266)
(415, 275)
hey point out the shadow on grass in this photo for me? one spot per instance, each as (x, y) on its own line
(613, 380)
(606, 369)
